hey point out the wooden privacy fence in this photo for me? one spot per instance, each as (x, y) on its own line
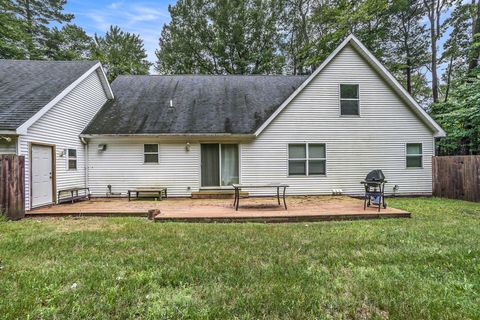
(457, 177)
(12, 186)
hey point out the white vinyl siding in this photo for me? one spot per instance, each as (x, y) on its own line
(61, 126)
(121, 166)
(356, 145)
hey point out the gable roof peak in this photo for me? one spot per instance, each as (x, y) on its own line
(376, 65)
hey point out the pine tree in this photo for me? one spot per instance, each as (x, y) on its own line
(68, 43)
(408, 43)
(12, 32)
(120, 53)
(37, 15)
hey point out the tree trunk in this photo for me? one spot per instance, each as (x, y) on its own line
(473, 63)
(434, 63)
(408, 72)
(449, 77)
(28, 17)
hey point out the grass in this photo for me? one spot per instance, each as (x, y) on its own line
(427, 267)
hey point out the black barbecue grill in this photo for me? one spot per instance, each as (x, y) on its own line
(374, 190)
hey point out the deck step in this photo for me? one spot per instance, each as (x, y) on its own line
(217, 194)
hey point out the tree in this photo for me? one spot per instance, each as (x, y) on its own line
(37, 15)
(407, 49)
(222, 37)
(12, 33)
(333, 20)
(456, 50)
(69, 43)
(120, 53)
(460, 117)
(296, 25)
(434, 9)
(475, 52)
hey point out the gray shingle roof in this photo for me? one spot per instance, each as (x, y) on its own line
(201, 104)
(27, 86)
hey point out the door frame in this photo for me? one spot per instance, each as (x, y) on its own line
(220, 165)
(54, 169)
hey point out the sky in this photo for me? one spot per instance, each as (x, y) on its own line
(145, 18)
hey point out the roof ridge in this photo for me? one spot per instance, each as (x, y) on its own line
(212, 75)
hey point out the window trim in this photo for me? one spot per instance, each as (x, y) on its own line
(413, 155)
(307, 159)
(350, 99)
(157, 153)
(72, 158)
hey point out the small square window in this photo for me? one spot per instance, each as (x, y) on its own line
(414, 155)
(297, 167)
(297, 151)
(349, 91)
(150, 153)
(316, 167)
(349, 100)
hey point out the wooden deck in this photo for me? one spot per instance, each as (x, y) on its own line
(308, 208)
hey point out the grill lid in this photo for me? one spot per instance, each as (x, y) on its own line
(375, 175)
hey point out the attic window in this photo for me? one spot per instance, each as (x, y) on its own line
(349, 100)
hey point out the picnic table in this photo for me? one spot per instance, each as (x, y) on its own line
(161, 191)
(73, 194)
(277, 186)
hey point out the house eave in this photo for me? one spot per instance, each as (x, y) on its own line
(9, 132)
(176, 136)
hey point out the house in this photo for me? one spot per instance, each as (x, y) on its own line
(196, 132)
(44, 106)
(316, 133)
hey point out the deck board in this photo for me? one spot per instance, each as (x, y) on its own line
(258, 209)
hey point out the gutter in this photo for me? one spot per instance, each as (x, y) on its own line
(182, 135)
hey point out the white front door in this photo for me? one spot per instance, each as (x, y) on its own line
(42, 175)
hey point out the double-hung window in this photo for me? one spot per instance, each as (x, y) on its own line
(72, 159)
(306, 159)
(150, 153)
(414, 155)
(349, 100)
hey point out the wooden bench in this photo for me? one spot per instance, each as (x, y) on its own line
(73, 194)
(160, 191)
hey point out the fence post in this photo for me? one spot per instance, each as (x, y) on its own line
(12, 186)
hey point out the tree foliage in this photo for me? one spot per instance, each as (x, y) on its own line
(120, 53)
(68, 43)
(221, 36)
(460, 117)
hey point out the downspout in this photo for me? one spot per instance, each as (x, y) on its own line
(82, 139)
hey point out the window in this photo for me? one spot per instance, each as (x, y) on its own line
(150, 153)
(72, 159)
(306, 159)
(414, 155)
(349, 100)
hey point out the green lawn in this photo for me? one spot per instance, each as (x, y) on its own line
(427, 267)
